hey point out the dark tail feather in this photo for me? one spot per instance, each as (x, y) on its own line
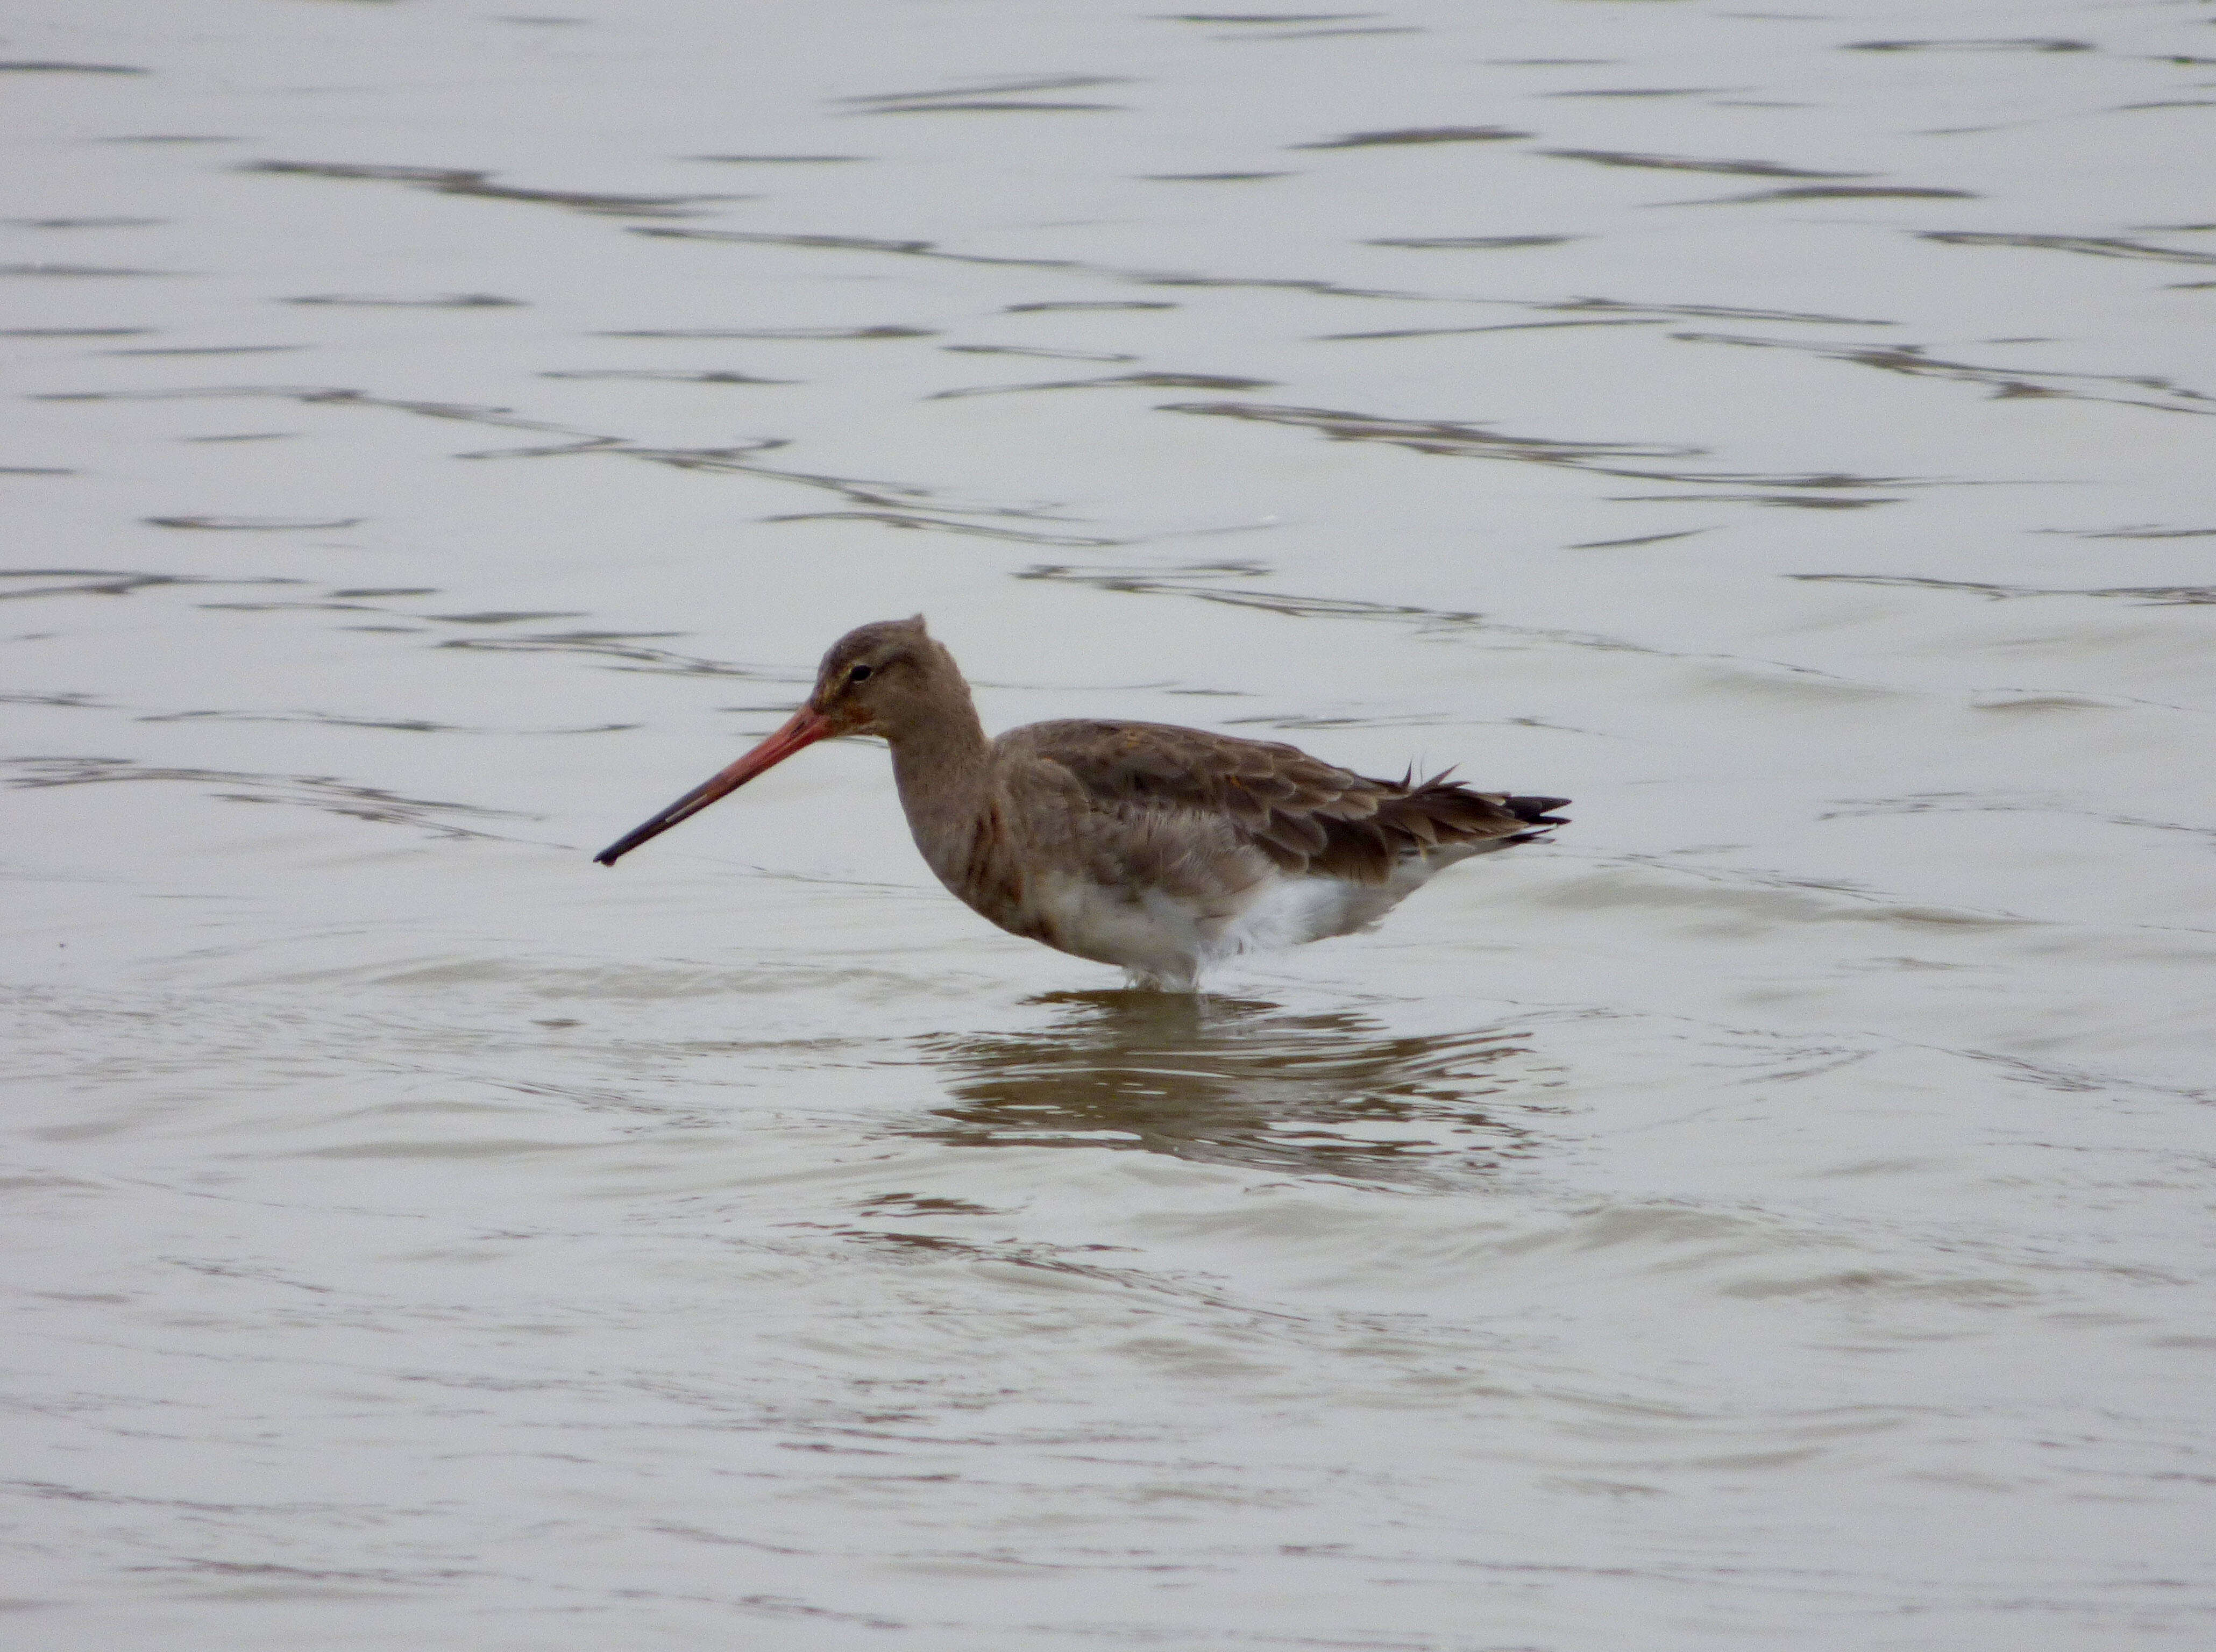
(1440, 812)
(1538, 811)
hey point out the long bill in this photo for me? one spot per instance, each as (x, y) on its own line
(805, 727)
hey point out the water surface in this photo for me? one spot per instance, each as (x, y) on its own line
(1774, 1214)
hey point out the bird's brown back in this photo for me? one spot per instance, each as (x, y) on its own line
(1307, 816)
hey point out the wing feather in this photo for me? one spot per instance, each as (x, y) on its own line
(1305, 814)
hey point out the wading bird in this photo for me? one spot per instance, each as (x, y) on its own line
(1160, 849)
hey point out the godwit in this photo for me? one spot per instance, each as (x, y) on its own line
(1160, 849)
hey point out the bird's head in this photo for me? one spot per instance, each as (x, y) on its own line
(881, 679)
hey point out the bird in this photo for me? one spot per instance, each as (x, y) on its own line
(1160, 849)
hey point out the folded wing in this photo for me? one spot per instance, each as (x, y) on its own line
(1309, 817)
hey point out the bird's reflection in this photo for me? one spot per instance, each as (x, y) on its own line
(1226, 1081)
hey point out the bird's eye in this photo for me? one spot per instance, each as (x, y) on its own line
(859, 674)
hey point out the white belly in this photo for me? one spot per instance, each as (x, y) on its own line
(1166, 940)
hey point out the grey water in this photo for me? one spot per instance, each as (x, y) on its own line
(1775, 1213)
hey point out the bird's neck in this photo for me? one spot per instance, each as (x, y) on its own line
(941, 764)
